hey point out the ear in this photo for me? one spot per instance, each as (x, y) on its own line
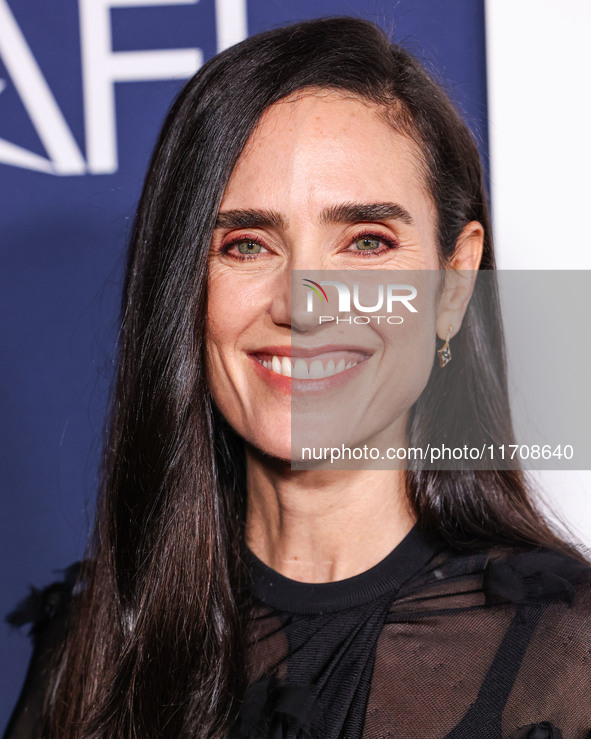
(460, 276)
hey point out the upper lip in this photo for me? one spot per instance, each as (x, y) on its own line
(310, 351)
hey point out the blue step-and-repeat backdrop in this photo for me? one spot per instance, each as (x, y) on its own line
(84, 88)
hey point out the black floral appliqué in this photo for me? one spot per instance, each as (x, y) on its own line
(272, 708)
(528, 577)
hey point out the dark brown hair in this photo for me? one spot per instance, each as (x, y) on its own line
(155, 647)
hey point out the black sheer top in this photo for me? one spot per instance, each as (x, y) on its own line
(428, 644)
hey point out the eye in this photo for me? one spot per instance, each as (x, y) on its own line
(367, 243)
(247, 247)
(243, 249)
(370, 244)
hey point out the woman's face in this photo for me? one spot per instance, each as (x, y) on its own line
(324, 183)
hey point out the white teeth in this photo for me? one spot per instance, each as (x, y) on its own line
(300, 370)
(316, 370)
(286, 366)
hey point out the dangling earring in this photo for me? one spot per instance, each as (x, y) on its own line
(445, 351)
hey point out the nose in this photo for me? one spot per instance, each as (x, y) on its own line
(290, 304)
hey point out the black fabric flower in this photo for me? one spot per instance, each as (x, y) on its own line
(529, 577)
(43, 605)
(274, 709)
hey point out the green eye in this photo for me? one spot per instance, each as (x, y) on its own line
(248, 247)
(367, 244)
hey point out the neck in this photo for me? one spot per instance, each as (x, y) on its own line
(322, 526)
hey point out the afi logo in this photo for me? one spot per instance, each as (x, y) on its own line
(386, 294)
(101, 69)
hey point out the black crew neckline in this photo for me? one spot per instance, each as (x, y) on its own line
(291, 596)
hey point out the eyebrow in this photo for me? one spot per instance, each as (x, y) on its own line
(343, 213)
(352, 212)
(249, 219)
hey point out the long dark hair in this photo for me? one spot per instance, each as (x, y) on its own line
(155, 646)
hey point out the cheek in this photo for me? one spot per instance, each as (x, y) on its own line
(237, 320)
(409, 348)
(231, 307)
(235, 312)
(408, 358)
(227, 321)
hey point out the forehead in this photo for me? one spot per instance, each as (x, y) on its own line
(321, 146)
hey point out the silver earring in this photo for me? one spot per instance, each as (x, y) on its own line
(445, 351)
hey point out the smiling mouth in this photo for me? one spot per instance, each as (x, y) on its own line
(312, 368)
